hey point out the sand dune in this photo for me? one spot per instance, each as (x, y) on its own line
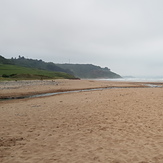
(115, 125)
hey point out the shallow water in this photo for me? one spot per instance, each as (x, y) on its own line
(54, 93)
(74, 91)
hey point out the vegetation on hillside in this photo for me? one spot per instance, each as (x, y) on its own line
(16, 72)
(39, 64)
(4, 60)
(89, 71)
(68, 70)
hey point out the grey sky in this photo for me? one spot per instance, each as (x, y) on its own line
(124, 35)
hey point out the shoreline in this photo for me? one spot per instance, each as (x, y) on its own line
(20, 89)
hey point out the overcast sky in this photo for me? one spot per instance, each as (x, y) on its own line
(123, 35)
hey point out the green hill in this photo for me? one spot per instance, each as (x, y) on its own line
(89, 71)
(4, 60)
(10, 69)
(16, 72)
(39, 64)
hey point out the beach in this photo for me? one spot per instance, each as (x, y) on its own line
(123, 124)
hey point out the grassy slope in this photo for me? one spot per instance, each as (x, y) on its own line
(32, 73)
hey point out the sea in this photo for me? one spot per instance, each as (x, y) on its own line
(137, 79)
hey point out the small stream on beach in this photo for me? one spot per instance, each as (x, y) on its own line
(75, 91)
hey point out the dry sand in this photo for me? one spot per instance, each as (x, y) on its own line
(123, 125)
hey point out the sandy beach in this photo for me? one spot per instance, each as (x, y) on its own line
(118, 125)
(29, 87)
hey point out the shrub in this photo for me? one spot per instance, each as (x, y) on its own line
(5, 76)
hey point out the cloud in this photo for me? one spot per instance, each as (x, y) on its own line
(120, 34)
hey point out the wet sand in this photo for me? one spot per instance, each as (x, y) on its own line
(25, 88)
(115, 125)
